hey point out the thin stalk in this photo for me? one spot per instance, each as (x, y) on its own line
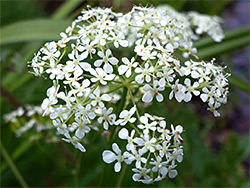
(111, 136)
(12, 166)
(132, 98)
(119, 182)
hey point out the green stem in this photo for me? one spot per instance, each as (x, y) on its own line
(104, 167)
(12, 166)
(119, 182)
(112, 134)
(132, 98)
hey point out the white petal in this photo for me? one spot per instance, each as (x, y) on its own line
(85, 66)
(117, 167)
(187, 82)
(139, 141)
(108, 156)
(116, 148)
(188, 97)
(108, 68)
(144, 119)
(106, 97)
(179, 128)
(123, 134)
(136, 177)
(110, 77)
(125, 60)
(108, 52)
(139, 79)
(159, 97)
(132, 120)
(124, 113)
(122, 69)
(128, 73)
(147, 98)
(80, 133)
(147, 87)
(98, 62)
(204, 97)
(113, 60)
(80, 147)
(132, 110)
(172, 173)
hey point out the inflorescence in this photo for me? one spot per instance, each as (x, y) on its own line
(105, 58)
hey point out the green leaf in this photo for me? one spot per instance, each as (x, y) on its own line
(224, 47)
(238, 82)
(33, 30)
(66, 9)
(237, 33)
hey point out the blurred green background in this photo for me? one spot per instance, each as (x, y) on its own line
(216, 149)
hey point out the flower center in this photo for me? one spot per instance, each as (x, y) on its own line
(127, 118)
(120, 158)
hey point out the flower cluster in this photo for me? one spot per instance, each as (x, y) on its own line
(90, 74)
(155, 151)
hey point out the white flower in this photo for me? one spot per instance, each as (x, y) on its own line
(202, 74)
(46, 106)
(167, 75)
(165, 150)
(178, 90)
(145, 72)
(83, 89)
(126, 116)
(137, 156)
(101, 75)
(146, 143)
(68, 98)
(213, 108)
(151, 92)
(74, 140)
(176, 132)
(177, 155)
(97, 99)
(208, 95)
(51, 52)
(87, 48)
(109, 157)
(124, 134)
(159, 166)
(127, 67)
(118, 39)
(190, 89)
(106, 59)
(85, 112)
(147, 126)
(107, 118)
(164, 132)
(82, 127)
(52, 93)
(141, 173)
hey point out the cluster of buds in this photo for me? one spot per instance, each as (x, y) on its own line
(105, 58)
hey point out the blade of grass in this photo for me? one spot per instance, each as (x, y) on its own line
(17, 153)
(66, 9)
(10, 79)
(33, 30)
(228, 36)
(12, 166)
(238, 82)
(227, 46)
